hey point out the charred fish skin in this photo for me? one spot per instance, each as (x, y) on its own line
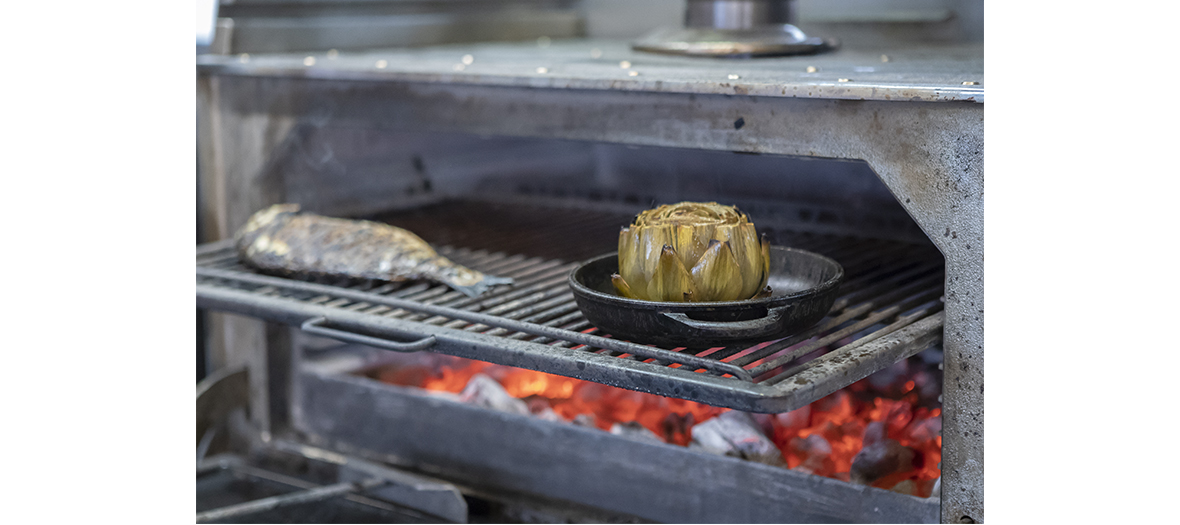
(280, 239)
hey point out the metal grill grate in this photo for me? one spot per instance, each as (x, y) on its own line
(890, 308)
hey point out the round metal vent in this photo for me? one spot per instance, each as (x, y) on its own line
(735, 28)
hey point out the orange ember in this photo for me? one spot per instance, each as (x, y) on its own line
(822, 438)
(668, 418)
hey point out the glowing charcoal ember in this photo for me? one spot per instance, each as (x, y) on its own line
(539, 408)
(896, 415)
(845, 441)
(676, 428)
(585, 420)
(813, 455)
(823, 438)
(736, 434)
(908, 487)
(882, 462)
(927, 386)
(924, 436)
(485, 392)
(634, 431)
(788, 424)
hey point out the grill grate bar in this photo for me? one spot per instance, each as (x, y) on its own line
(874, 318)
(215, 249)
(570, 321)
(445, 296)
(436, 295)
(528, 309)
(899, 324)
(860, 290)
(544, 280)
(560, 308)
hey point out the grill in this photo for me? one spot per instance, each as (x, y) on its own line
(522, 159)
(889, 309)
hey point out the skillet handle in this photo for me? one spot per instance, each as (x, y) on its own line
(315, 326)
(748, 328)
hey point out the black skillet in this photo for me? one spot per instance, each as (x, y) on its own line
(803, 287)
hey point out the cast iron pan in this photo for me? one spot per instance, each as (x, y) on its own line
(803, 287)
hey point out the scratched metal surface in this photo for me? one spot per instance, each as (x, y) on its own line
(901, 72)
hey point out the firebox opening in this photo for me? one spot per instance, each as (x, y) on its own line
(564, 201)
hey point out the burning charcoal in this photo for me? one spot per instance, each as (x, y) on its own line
(737, 434)
(765, 422)
(881, 459)
(483, 391)
(928, 386)
(788, 424)
(677, 427)
(815, 453)
(539, 407)
(797, 419)
(907, 487)
(585, 420)
(633, 430)
(548, 414)
(925, 430)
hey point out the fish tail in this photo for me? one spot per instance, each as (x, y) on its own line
(477, 289)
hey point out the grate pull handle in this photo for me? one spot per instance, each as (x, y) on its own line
(316, 326)
(752, 327)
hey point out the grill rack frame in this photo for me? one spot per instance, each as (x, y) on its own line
(536, 325)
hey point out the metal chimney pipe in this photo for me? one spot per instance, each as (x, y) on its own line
(737, 14)
(735, 28)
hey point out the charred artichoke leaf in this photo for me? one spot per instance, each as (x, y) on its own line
(672, 282)
(763, 289)
(622, 286)
(717, 274)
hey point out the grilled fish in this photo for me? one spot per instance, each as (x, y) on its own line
(280, 239)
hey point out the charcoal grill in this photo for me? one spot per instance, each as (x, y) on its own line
(281, 130)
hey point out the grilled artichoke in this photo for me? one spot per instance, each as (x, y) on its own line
(692, 252)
